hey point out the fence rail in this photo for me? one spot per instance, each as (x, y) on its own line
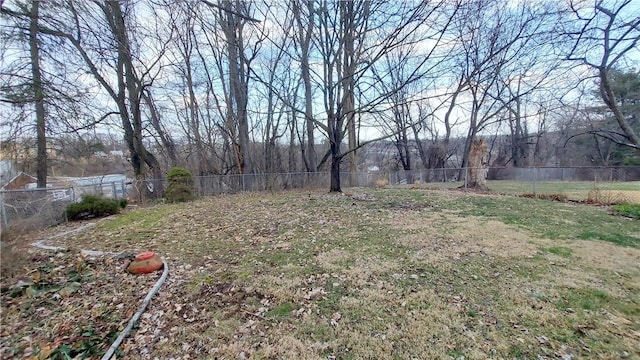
(37, 208)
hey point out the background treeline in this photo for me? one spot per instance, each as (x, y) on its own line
(230, 86)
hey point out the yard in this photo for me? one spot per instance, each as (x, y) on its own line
(614, 191)
(372, 273)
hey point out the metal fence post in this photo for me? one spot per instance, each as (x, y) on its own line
(535, 178)
(3, 212)
(466, 172)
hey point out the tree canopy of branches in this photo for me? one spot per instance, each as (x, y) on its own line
(606, 35)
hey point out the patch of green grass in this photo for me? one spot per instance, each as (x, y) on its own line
(551, 219)
(281, 311)
(518, 351)
(456, 354)
(317, 331)
(587, 299)
(631, 210)
(562, 251)
(144, 218)
(613, 237)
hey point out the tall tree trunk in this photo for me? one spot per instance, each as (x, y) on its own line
(130, 93)
(477, 170)
(165, 138)
(194, 119)
(421, 152)
(292, 142)
(336, 159)
(304, 39)
(41, 157)
(232, 25)
(348, 87)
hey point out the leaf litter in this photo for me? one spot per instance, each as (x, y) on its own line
(67, 304)
(375, 274)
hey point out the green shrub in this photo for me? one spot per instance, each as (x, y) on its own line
(93, 206)
(180, 187)
(178, 193)
(180, 175)
(631, 210)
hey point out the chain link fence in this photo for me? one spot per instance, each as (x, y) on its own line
(29, 209)
(621, 184)
(37, 208)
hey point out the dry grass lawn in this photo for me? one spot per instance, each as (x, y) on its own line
(381, 274)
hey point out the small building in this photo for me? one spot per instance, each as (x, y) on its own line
(116, 154)
(8, 170)
(20, 181)
(63, 188)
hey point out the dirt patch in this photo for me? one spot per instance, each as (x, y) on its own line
(368, 269)
(448, 236)
(333, 259)
(607, 256)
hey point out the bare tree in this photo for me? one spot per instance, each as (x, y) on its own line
(182, 21)
(492, 40)
(31, 11)
(130, 89)
(232, 17)
(233, 40)
(96, 50)
(165, 137)
(38, 96)
(367, 30)
(304, 26)
(607, 36)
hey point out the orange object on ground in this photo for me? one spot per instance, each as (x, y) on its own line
(144, 263)
(145, 255)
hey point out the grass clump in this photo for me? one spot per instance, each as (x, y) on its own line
(598, 196)
(282, 311)
(180, 185)
(587, 299)
(94, 206)
(561, 251)
(630, 210)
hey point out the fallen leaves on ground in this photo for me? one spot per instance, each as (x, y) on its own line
(314, 275)
(67, 305)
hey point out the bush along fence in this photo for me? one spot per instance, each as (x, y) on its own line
(27, 209)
